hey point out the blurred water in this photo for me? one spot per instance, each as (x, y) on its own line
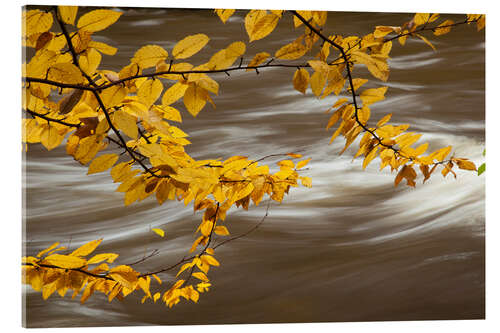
(352, 248)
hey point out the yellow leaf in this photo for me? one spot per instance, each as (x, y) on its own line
(109, 257)
(377, 67)
(149, 55)
(126, 123)
(169, 112)
(465, 164)
(291, 51)
(421, 18)
(381, 31)
(125, 276)
(156, 296)
(195, 99)
(303, 163)
(149, 92)
(89, 61)
(65, 72)
(189, 46)
(221, 230)
(426, 41)
(86, 249)
(262, 26)
(103, 47)
(306, 181)
(443, 28)
(68, 13)
(224, 14)
(210, 260)
(102, 163)
(201, 276)
(174, 93)
(37, 21)
(50, 248)
(294, 155)
(301, 80)
(258, 59)
(64, 261)
(384, 119)
(370, 96)
(318, 81)
(98, 20)
(159, 232)
(50, 138)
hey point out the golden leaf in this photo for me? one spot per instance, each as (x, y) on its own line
(98, 20)
(102, 163)
(301, 80)
(103, 47)
(370, 96)
(302, 163)
(89, 61)
(37, 21)
(465, 164)
(149, 91)
(159, 232)
(50, 248)
(126, 123)
(224, 14)
(421, 18)
(109, 257)
(67, 13)
(86, 249)
(65, 72)
(318, 81)
(443, 28)
(64, 261)
(257, 60)
(189, 46)
(149, 55)
(201, 276)
(174, 93)
(291, 51)
(261, 27)
(221, 230)
(195, 99)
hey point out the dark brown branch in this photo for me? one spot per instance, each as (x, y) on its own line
(71, 47)
(49, 119)
(69, 269)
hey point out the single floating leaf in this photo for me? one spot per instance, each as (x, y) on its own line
(159, 232)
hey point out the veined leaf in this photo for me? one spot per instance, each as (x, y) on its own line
(189, 46)
(102, 163)
(224, 14)
(149, 55)
(291, 51)
(86, 249)
(68, 13)
(98, 20)
(64, 261)
(301, 80)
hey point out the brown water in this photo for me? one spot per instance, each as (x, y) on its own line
(352, 248)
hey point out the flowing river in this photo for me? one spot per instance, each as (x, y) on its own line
(351, 248)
